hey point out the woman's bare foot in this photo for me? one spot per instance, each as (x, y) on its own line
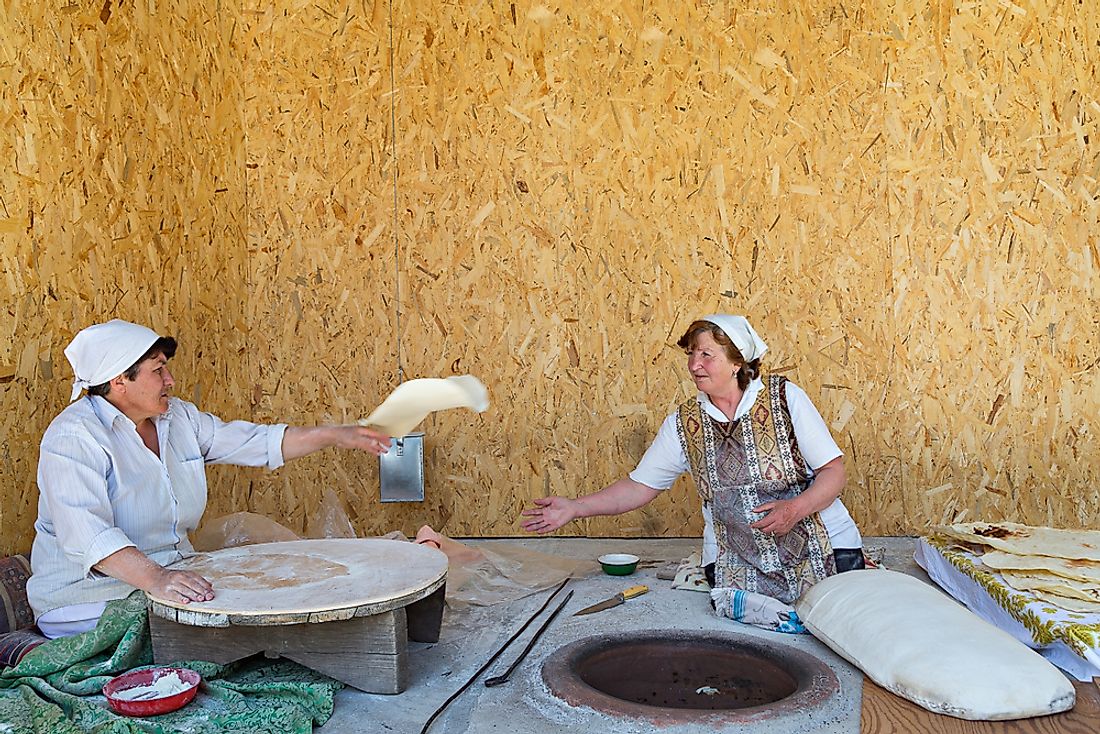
(456, 552)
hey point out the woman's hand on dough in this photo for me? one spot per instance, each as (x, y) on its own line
(781, 517)
(181, 587)
(549, 514)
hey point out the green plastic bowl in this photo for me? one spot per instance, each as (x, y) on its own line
(618, 564)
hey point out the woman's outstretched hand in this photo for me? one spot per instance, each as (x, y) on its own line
(549, 514)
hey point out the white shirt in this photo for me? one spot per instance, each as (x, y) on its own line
(101, 490)
(664, 461)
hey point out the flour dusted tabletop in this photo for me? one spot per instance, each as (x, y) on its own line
(307, 581)
(344, 607)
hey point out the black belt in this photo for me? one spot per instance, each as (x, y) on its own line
(847, 559)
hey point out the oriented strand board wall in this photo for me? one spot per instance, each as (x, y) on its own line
(992, 360)
(320, 250)
(903, 198)
(121, 194)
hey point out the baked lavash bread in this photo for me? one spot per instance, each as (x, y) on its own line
(1058, 566)
(918, 643)
(1027, 540)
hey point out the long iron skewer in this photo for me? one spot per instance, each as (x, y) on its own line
(499, 679)
(492, 659)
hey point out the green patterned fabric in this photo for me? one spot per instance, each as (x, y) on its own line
(57, 687)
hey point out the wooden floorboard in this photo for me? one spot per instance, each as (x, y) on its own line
(885, 713)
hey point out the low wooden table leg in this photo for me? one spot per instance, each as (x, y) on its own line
(426, 616)
(175, 642)
(367, 653)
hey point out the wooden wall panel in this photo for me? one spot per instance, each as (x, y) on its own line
(320, 241)
(575, 183)
(992, 207)
(902, 196)
(121, 194)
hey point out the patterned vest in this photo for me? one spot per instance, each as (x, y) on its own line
(738, 465)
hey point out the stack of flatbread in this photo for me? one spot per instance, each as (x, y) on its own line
(1060, 567)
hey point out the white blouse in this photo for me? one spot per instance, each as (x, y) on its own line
(665, 461)
(101, 490)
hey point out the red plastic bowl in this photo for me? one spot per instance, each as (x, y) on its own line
(150, 706)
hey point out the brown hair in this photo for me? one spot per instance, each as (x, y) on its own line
(749, 370)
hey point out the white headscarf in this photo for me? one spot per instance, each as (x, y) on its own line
(741, 333)
(102, 352)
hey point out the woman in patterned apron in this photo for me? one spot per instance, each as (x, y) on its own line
(768, 473)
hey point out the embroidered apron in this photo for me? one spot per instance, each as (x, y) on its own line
(740, 464)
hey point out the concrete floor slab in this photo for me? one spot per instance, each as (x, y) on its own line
(525, 706)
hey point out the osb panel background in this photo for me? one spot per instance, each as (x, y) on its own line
(121, 194)
(902, 198)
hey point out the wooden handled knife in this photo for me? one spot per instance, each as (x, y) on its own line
(614, 601)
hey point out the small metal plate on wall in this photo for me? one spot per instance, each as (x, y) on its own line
(401, 469)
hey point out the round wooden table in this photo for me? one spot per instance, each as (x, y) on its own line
(343, 607)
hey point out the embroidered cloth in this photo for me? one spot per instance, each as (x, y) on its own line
(57, 687)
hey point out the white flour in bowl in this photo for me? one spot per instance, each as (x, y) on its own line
(162, 687)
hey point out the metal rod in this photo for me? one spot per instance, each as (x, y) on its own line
(490, 661)
(499, 679)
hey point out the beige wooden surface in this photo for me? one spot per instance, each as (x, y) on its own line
(885, 713)
(308, 581)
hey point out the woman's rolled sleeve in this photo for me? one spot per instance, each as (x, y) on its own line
(111, 540)
(275, 445)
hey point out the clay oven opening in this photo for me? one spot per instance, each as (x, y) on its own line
(676, 676)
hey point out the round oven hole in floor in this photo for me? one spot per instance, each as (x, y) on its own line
(677, 676)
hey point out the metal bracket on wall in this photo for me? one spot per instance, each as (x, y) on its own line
(401, 469)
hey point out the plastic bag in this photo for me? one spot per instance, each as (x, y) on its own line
(329, 520)
(502, 572)
(240, 528)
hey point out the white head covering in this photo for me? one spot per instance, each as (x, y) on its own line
(741, 333)
(102, 352)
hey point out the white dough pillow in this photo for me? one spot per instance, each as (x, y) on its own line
(917, 642)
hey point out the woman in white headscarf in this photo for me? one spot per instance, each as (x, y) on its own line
(122, 480)
(767, 470)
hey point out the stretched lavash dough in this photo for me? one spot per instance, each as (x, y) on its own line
(412, 401)
(920, 644)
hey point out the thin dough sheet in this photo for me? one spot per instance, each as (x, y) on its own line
(412, 401)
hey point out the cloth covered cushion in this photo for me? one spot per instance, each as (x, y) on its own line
(14, 645)
(920, 644)
(15, 610)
